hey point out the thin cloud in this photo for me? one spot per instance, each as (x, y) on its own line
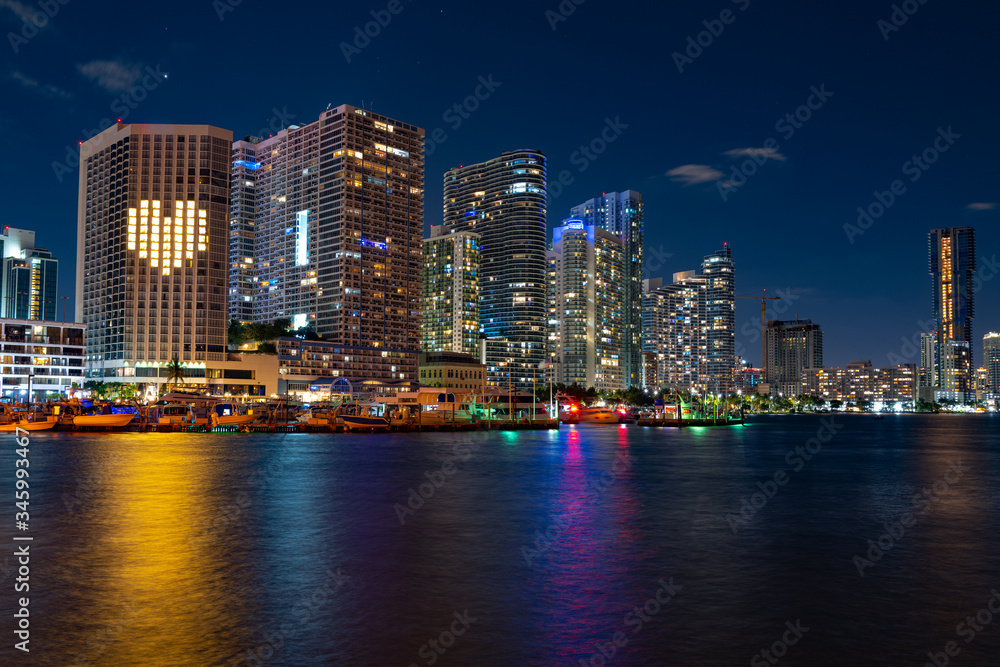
(691, 174)
(766, 153)
(981, 206)
(114, 76)
(46, 89)
(22, 11)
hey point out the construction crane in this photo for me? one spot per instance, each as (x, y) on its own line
(763, 298)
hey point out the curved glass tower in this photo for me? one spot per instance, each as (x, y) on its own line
(503, 200)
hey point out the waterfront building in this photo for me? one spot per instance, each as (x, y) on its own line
(929, 359)
(952, 255)
(675, 325)
(720, 312)
(152, 246)
(955, 368)
(40, 359)
(29, 278)
(504, 201)
(792, 347)
(991, 361)
(587, 292)
(242, 230)
(450, 293)
(456, 370)
(859, 381)
(622, 214)
(689, 325)
(337, 208)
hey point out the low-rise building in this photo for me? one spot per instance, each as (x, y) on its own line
(40, 359)
(452, 369)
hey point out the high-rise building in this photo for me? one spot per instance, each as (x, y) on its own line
(29, 278)
(242, 230)
(621, 213)
(449, 317)
(337, 210)
(952, 253)
(504, 200)
(720, 306)
(792, 347)
(152, 246)
(587, 295)
(928, 359)
(991, 361)
(675, 325)
(955, 367)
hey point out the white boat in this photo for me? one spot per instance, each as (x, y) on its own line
(225, 413)
(176, 413)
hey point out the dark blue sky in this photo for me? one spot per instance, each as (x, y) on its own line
(557, 89)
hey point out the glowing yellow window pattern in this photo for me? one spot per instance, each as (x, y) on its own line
(169, 240)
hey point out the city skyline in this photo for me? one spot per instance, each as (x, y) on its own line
(832, 157)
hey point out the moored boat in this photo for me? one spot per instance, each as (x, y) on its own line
(110, 420)
(598, 416)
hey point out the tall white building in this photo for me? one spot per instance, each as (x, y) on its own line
(586, 296)
(622, 214)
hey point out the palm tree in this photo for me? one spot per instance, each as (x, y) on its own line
(175, 372)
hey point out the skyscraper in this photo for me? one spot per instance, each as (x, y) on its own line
(29, 278)
(676, 330)
(152, 246)
(952, 253)
(337, 208)
(991, 361)
(242, 230)
(449, 316)
(621, 213)
(792, 347)
(928, 360)
(720, 305)
(586, 291)
(503, 199)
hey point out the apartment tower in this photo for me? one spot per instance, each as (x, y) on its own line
(152, 246)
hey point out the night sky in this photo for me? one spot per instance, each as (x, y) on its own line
(886, 92)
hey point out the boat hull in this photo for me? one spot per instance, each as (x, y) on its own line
(26, 426)
(353, 422)
(103, 420)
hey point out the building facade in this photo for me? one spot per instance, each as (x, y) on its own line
(152, 246)
(675, 330)
(622, 214)
(860, 382)
(29, 279)
(456, 370)
(952, 255)
(337, 208)
(449, 317)
(587, 295)
(40, 359)
(792, 347)
(504, 201)
(719, 271)
(991, 361)
(929, 359)
(242, 230)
